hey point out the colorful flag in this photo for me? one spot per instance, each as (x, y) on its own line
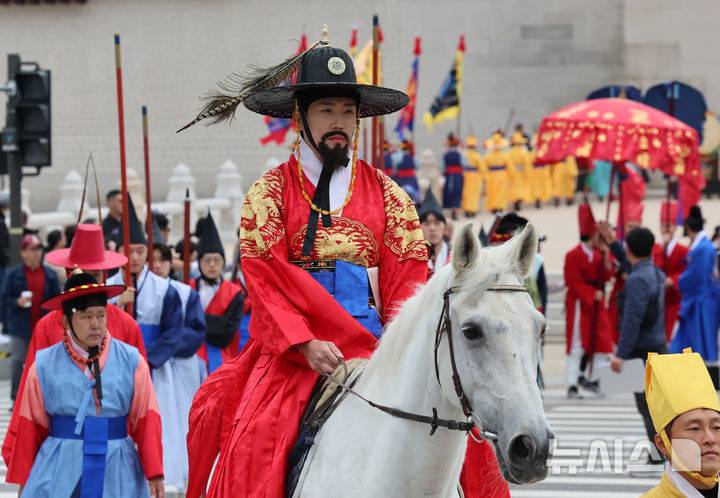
(278, 127)
(407, 115)
(363, 62)
(447, 104)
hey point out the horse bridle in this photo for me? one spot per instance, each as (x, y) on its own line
(434, 421)
(444, 326)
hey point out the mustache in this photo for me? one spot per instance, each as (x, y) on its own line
(334, 133)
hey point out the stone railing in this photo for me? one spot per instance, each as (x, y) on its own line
(225, 204)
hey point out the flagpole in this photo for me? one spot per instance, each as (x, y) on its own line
(123, 173)
(417, 51)
(186, 239)
(148, 192)
(461, 48)
(376, 42)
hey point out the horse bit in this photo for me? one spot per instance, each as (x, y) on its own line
(434, 421)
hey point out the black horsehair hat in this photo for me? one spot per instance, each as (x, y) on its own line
(210, 239)
(321, 69)
(430, 205)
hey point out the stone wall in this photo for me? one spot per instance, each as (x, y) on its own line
(530, 56)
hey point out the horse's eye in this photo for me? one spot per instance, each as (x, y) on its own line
(472, 332)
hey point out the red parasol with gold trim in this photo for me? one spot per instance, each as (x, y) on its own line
(620, 130)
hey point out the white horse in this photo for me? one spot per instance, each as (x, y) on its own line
(362, 452)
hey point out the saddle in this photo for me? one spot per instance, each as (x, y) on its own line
(325, 398)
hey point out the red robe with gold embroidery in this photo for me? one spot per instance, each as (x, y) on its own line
(249, 409)
(673, 266)
(48, 331)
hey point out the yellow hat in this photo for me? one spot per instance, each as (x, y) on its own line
(518, 139)
(497, 141)
(676, 384)
(471, 141)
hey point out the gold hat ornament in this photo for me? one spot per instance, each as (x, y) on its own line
(497, 142)
(518, 139)
(676, 384)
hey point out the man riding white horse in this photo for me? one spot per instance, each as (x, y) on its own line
(311, 229)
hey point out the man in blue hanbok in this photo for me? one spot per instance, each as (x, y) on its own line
(698, 306)
(87, 402)
(158, 309)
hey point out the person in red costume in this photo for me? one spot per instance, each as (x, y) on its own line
(88, 253)
(670, 255)
(221, 300)
(312, 231)
(587, 325)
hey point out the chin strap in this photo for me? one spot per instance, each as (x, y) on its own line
(707, 481)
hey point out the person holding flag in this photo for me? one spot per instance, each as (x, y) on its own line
(454, 164)
(446, 105)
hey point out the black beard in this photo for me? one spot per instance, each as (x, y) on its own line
(337, 156)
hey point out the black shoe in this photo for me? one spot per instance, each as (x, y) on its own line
(556, 201)
(453, 215)
(573, 393)
(518, 205)
(537, 204)
(592, 387)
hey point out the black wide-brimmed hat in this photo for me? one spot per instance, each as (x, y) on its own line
(329, 70)
(78, 286)
(320, 68)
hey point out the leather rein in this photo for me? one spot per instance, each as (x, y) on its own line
(435, 422)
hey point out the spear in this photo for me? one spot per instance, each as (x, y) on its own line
(123, 175)
(186, 239)
(148, 193)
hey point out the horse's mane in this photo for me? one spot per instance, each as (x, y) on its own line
(420, 313)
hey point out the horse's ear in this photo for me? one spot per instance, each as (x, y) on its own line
(524, 248)
(466, 250)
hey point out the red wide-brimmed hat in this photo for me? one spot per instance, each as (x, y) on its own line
(79, 286)
(87, 251)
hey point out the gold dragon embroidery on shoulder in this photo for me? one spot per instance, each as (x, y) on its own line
(262, 225)
(403, 234)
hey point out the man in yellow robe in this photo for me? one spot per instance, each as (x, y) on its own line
(542, 180)
(474, 175)
(685, 411)
(521, 185)
(564, 177)
(500, 174)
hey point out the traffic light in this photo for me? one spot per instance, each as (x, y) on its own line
(32, 112)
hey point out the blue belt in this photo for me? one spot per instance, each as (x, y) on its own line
(348, 284)
(497, 168)
(95, 433)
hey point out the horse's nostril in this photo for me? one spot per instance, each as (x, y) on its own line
(522, 450)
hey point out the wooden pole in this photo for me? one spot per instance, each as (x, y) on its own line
(381, 151)
(123, 172)
(186, 239)
(376, 43)
(148, 191)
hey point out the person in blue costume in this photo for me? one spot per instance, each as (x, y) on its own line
(158, 309)
(86, 403)
(454, 163)
(405, 171)
(698, 327)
